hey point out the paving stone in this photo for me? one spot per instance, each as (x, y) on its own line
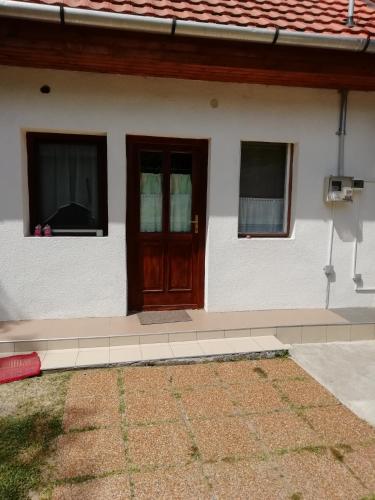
(306, 393)
(184, 483)
(142, 407)
(245, 480)
(91, 383)
(259, 397)
(109, 488)
(314, 475)
(361, 459)
(207, 402)
(147, 378)
(339, 425)
(238, 372)
(96, 411)
(193, 375)
(159, 445)
(281, 368)
(284, 430)
(89, 453)
(225, 438)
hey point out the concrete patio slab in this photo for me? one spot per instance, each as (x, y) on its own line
(345, 369)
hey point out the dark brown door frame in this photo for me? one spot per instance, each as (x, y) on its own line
(200, 147)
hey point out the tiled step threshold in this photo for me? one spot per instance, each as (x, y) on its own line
(156, 353)
(285, 334)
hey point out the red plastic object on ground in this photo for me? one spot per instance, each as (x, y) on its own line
(18, 367)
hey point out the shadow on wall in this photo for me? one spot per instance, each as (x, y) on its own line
(8, 309)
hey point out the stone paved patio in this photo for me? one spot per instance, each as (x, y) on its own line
(235, 430)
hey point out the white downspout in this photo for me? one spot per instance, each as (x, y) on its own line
(341, 132)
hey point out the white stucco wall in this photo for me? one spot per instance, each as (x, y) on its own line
(73, 277)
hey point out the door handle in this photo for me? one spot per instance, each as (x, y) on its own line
(195, 221)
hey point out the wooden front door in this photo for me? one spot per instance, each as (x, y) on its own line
(166, 222)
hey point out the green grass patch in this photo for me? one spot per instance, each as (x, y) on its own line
(31, 413)
(24, 446)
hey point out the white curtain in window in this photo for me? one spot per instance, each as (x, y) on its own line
(68, 174)
(261, 215)
(151, 203)
(180, 206)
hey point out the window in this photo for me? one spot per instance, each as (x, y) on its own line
(67, 177)
(265, 188)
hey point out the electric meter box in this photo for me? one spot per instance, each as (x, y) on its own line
(338, 188)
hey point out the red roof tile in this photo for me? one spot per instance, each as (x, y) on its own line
(319, 16)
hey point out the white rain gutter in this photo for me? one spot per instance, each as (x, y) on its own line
(110, 20)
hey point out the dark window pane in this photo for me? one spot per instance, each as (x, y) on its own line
(151, 189)
(180, 192)
(263, 169)
(68, 185)
(262, 187)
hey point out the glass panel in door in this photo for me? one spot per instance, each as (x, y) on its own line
(180, 193)
(151, 189)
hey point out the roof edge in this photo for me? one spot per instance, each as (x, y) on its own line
(110, 20)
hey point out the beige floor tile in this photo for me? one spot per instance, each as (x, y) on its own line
(281, 368)
(182, 337)
(263, 332)
(338, 333)
(125, 354)
(258, 397)
(65, 358)
(289, 334)
(245, 345)
(129, 325)
(186, 349)
(269, 343)
(193, 375)
(143, 407)
(94, 356)
(243, 333)
(156, 351)
(313, 334)
(237, 372)
(145, 378)
(184, 483)
(210, 335)
(7, 348)
(59, 344)
(30, 346)
(123, 340)
(284, 431)
(89, 453)
(314, 474)
(225, 438)
(159, 445)
(362, 332)
(337, 424)
(108, 488)
(161, 338)
(361, 460)
(207, 402)
(93, 342)
(244, 481)
(306, 393)
(219, 346)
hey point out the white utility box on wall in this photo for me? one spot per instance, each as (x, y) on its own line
(338, 188)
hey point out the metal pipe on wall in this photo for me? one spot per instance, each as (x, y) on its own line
(342, 131)
(350, 20)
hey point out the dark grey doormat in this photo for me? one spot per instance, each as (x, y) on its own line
(158, 317)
